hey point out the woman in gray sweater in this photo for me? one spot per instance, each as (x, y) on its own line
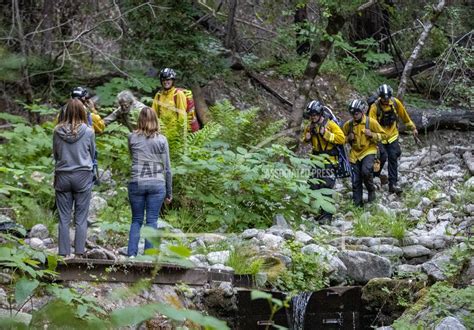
(151, 178)
(74, 149)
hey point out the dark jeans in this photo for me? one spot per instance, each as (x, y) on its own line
(73, 189)
(392, 152)
(328, 180)
(362, 172)
(144, 197)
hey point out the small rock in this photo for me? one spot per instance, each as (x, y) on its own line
(302, 237)
(450, 323)
(446, 217)
(386, 250)
(271, 241)
(96, 253)
(416, 214)
(435, 267)
(440, 196)
(48, 242)
(432, 217)
(212, 238)
(469, 209)
(161, 224)
(422, 186)
(218, 257)
(408, 269)
(39, 231)
(469, 184)
(222, 267)
(432, 242)
(97, 203)
(227, 288)
(249, 233)
(440, 229)
(415, 251)
(37, 244)
(431, 157)
(279, 220)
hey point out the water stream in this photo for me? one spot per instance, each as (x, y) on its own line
(299, 304)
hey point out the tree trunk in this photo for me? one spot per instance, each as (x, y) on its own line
(419, 46)
(393, 71)
(200, 106)
(301, 16)
(319, 54)
(431, 119)
(48, 22)
(230, 35)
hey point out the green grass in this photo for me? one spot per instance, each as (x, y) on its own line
(244, 260)
(379, 223)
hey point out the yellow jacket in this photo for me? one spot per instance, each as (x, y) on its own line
(362, 145)
(97, 123)
(400, 111)
(326, 143)
(164, 103)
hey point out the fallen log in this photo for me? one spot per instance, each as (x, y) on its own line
(432, 119)
(394, 71)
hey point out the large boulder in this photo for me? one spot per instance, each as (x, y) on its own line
(364, 266)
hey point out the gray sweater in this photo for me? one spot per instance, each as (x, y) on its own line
(150, 160)
(73, 152)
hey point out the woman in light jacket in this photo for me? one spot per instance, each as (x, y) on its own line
(151, 179)
(73, 149)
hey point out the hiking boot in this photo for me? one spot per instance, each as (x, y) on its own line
(394, 189)
(371, 197)
(383, 179)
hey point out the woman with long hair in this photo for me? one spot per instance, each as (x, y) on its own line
(151, 178)
(73, 149)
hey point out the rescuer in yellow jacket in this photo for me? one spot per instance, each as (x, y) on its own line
(324, 134)
(363, 134)
(388, 110)
(169, 102)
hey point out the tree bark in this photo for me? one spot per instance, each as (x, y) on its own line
(200, 106)
(230, 31)
(319, 54)
(392, 71)
(431, 119)
(302, 44)
(419, 46)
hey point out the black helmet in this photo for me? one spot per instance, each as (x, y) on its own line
(385, 91)
(356, 106)
(315, 108)
(79, 93)
(167, 73)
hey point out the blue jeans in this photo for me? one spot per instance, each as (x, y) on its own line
(143, 197)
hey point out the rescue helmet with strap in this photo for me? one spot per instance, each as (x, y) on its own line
(385, 91)
(315, 108)
(167, 74)
(357, 105)
(79, 93)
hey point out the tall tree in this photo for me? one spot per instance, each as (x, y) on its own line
(338, 13)
(427, 27)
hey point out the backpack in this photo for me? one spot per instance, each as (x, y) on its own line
(343, 168)
(387, 118)
(190, 108)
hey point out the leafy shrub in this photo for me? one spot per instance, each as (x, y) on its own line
(306, 272)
